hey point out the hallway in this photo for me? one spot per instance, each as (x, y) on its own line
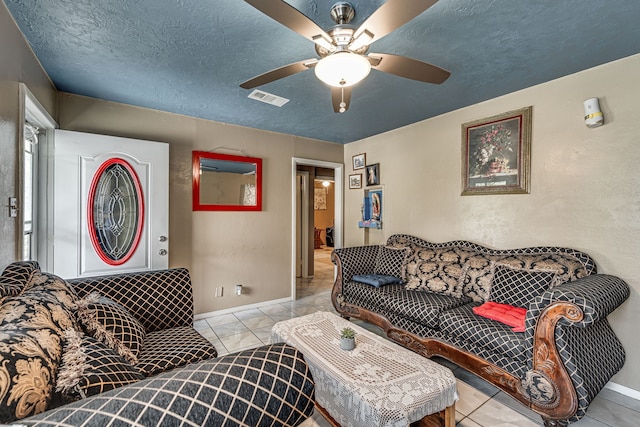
(322, 279)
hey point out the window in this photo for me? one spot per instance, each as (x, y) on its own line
(30, 192)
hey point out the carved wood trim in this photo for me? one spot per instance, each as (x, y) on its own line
(336, 293)
(548, 364)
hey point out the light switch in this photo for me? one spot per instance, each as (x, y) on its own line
(13, 207)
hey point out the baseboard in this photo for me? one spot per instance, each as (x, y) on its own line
(240, 308)
(629, 392)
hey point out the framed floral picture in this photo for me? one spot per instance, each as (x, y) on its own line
(355, 181)
(359, 160)
(496, 154)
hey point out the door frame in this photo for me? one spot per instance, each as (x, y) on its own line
(303, 216)
(32, 110)
(338, 211)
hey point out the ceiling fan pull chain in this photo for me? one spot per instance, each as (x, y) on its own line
(343, 104)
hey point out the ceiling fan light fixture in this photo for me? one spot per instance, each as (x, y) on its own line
(342, 69)
(362, 40)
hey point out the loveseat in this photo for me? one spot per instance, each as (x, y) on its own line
(552, 348)
(121, 349)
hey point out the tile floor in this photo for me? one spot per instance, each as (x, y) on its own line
(480, 403)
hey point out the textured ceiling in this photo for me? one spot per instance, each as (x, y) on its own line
(189, 56)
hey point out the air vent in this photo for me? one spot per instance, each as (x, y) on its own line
(259, 95)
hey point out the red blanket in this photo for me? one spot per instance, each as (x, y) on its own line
(507, 314)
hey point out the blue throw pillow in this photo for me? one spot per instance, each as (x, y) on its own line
(376, 280)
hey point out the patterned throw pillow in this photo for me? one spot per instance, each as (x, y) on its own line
(376, 280)
(518, 286)
(90, 367)
(389, 261)
(26, 371)
(476, 278)
(112, 324)
(16, 276)
(437, 271)
(31, 326)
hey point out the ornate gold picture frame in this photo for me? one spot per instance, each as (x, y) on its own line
(496, 154)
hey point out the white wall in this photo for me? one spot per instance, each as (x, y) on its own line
(585, 183)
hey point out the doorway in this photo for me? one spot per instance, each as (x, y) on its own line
(305, 238)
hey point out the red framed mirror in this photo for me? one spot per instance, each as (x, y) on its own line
(223, 182)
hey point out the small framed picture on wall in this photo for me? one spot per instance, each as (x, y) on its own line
(359, 160)
(373, 174)
(355, 181)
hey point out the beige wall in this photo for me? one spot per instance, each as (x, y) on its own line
(585, 183)
(17, 64)
(219, 248)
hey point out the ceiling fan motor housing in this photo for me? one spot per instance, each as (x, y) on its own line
(342, 12)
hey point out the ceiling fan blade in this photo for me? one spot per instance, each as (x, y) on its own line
(340, 95)
(410, 68)
(391, 15)
(291, 17)
(279, 73)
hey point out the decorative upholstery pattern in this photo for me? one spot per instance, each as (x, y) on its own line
(516, 367)
(356, 260)
(266, 386)
(26, 378)
(477, 275)
(592, 355)
(158, 299)
(437, 271)
(90, 367)
(420, 307)
(168, 349)
(590, 349)
(112, 324)
(463, 323)
(369, 296)
(587, 265)
(517, 286)
(569, 263)
(31, 327)
(390, 261)
(15, 277)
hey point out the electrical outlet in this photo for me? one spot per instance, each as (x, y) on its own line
(219, 291)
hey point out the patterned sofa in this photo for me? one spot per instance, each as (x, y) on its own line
(121, 349)
(555, 362)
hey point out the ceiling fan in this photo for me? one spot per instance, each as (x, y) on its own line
(343, 49)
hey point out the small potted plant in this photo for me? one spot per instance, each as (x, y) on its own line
(347, 339)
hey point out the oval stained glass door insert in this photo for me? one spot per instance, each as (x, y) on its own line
(115, 211)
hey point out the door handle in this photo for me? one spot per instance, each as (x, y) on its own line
(162, 252)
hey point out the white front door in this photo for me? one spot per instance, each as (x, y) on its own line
(110, 204)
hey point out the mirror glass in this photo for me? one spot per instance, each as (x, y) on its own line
(222, 182)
